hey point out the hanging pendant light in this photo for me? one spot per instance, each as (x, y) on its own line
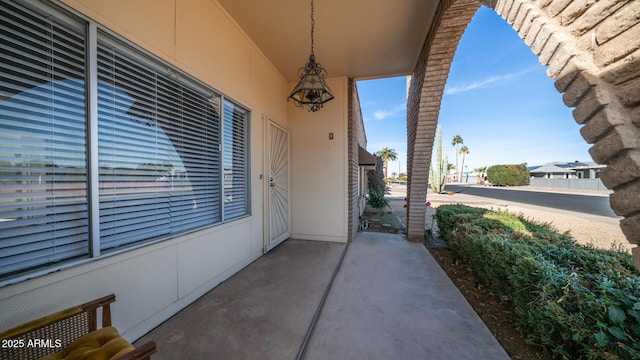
(311, 90)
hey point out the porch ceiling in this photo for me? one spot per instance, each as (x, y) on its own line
(355, 38)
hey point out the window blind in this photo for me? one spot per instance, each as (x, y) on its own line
(161, 141)
(159, 155)
(43, 197)
(236, 196)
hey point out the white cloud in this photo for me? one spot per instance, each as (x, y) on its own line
(485, 83)
(384, 114)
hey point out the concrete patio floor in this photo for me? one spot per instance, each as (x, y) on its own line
(389, 300)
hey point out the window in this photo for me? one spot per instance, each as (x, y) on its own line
(236, 200)
(159, 154)
(43, 172)
(172, 153)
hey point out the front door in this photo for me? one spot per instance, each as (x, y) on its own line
(278, 186)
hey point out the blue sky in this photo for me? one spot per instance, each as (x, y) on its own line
(498, 98)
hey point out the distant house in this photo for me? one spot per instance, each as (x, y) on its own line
(573, 175)
(566, 170)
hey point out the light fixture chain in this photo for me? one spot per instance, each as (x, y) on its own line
(311, 90)
(313, 23)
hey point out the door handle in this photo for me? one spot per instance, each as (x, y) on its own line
(271, 183)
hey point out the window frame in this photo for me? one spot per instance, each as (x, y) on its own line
(92, 29)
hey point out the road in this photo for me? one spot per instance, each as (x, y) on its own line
(589, 204)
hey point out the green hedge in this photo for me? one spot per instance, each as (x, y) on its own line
(571, 300)
(376, 177)
(508, 175)
(377, 199)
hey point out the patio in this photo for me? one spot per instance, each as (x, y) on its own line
(388, 299)
(211, 83)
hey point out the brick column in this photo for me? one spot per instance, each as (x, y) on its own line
(425, 96)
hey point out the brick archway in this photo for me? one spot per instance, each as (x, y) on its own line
(592, 49)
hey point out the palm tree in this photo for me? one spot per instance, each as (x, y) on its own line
(480, 171)
(387, 155)
(457, 140)
(449, 168)
(464, 150)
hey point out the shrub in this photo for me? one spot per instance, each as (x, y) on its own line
(573, 301)
(377, 186)
(376, 177)
(377, 200)
(508, 175)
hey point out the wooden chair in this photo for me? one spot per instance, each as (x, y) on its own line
(77, 327)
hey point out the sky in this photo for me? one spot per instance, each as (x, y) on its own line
(498, 98)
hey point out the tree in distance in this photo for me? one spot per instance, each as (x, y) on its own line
(387, 155)
(457, 140)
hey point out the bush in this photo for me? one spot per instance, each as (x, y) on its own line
(376, 177)
(508, 175)
(377, 186)
(573, 301)
(377, 200)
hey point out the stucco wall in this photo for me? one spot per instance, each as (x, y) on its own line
(319, 168)
(559, 183)
(155, 281)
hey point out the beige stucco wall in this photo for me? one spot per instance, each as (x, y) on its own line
(200, 38)
(319, 168)
(155, 281)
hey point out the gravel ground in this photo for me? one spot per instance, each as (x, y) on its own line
(598, 231)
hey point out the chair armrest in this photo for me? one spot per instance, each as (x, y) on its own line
(90, 308)
(142, 352)
(63, 327)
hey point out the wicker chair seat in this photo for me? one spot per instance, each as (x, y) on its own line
(73, 334)
(102, 344)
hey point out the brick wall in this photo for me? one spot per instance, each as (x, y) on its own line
(592, 49)
(425, 96)
(356, 137)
